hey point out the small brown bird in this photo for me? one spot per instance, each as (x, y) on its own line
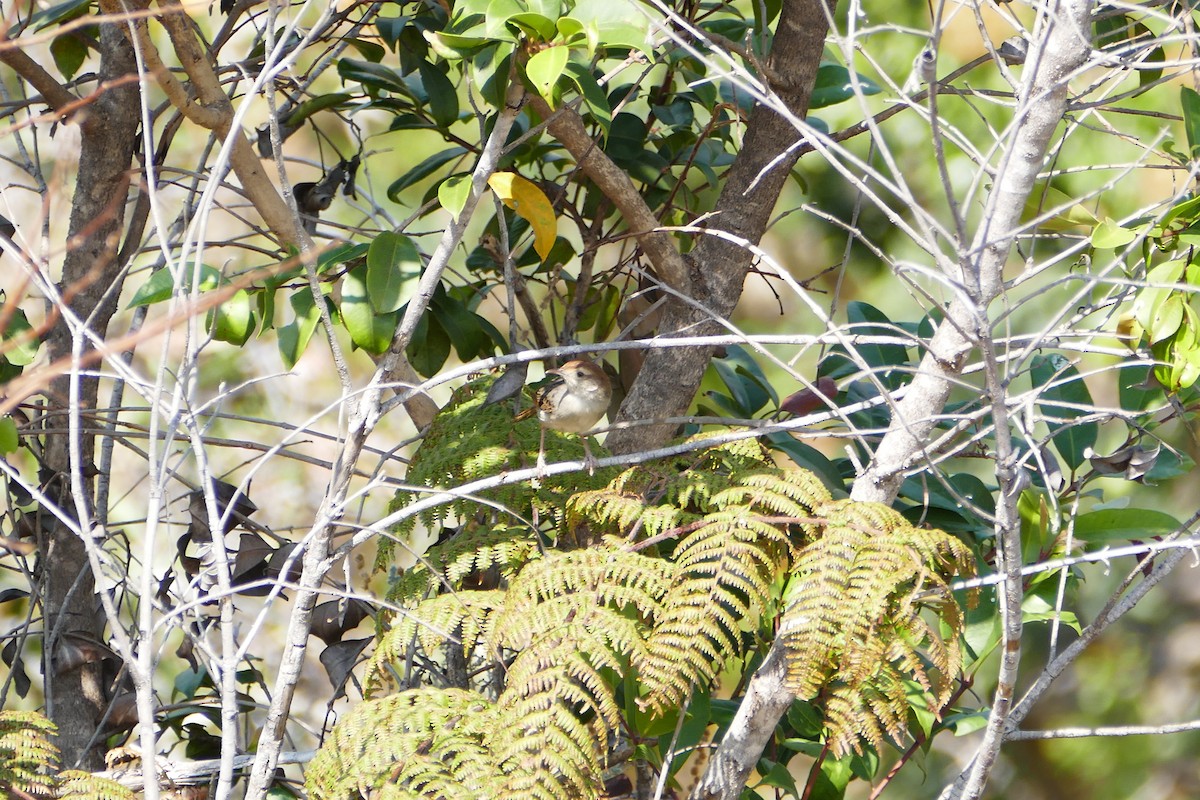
(572, 404)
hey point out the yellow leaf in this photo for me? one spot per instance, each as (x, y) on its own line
(531, 203)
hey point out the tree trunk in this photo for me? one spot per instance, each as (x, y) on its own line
(91, 282)
(743, 210)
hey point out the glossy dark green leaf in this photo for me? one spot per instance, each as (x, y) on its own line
(341, 254)
(809, 458)
(371, 51)
(1136, 391)
(461, 326)
(443, 97)
(834, 86)
(60, 12)
(423, 170)
(1063, 397)
(886, 360)
(1123, 524)
(373, 76)
(318, 103)
(430, 346)
(390, 29)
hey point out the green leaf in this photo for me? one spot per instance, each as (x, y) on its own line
(20, 344)
(777, 776)
(69, 51)
(453, 193)
(834, 86)
(538, 27)
(368, 330)
(1123, 524)
(1159, 287)
(809, 458)
(9, 438)
(391, 260)
(318, 103)
(495, 24)
(371, 51)
(294, 337)
(341, 254)
(390, 29)
(593, 95)
(233, 321)
(1108, 235)
(461, 325)
(885, 359)
(1168, 316)
(1189, 101)
(736, 371)
(373, 76)
(570, 29)
(1066, 400)
(1135, 391)
(160, 285)
(489, 70)
(614, 24)
(544, 69)
(60, 12)
(443, 97)
(430, 346)
(423, 170)
(453, 47)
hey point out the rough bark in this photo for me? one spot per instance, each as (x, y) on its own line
(743, 209)
(90, 286)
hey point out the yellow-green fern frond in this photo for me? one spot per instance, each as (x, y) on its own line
(423, 743)
(463, 618)
(617, 508)
(472, 550)
(724, 572)
(79, 785)
(26, 753)
(854, 628)
(569, 618)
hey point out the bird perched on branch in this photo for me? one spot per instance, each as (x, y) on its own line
(573, 404)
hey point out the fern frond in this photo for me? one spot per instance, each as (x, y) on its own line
(570, 617)
(854, 626)
(474, 549)
(423, 743)
(464, 617)
(469, 441)
(617, 508)
(26, 753)
(79, 785)
(724, 572)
